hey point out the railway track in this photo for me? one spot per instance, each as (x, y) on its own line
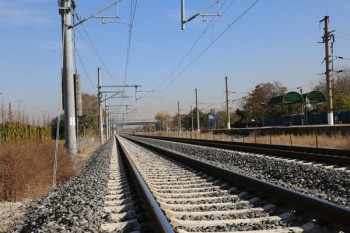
(102, 198)
(322, 155)
(194, 200)
(118, 200)
(126, 187)
(328, 182)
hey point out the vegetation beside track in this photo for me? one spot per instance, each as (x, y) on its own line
(13, 132)
(26, 170)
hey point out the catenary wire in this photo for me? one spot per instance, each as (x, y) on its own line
(205, 49)
(209, 45)
(93, 48)
(210, 24)
(86, 73)
(131, 24)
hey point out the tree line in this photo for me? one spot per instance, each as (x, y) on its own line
(254, 106)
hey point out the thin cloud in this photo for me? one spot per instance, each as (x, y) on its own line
(25, 13)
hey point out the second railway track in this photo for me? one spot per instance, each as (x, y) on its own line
(323, 155)
(195, 201)
(315, 179)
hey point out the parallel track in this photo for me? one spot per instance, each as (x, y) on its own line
(195, 201)
(330, 156)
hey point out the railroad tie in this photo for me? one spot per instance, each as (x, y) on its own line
(118, 201)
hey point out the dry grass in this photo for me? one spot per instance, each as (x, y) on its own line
(26, 170)
(322, 141)
(87, 150)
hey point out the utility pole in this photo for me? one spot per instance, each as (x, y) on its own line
(105, 122)
(227, 110)
(108, 122)
(192, 118)
(198, 124)
(178, 116)
(99, 94)
(326, 37)
(65, 10)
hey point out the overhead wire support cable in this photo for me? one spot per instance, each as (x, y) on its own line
(85, 71)
(200, 13)
(94, 15)
(131, 25)
(97, 54)
(210, 24)
(210, 44)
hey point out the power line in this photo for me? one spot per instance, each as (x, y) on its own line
(196, 42)
(210, 44)
(131, 24)
(96, 53)
(210, 24)
(86, 73)
(345, 34)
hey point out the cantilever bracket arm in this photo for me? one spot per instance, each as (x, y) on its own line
(95, 15)
(200, 13)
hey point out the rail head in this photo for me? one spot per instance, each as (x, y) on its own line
(162, 221)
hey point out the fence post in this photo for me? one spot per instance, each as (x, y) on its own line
(316, 141)
(291, 142)
(255, 137)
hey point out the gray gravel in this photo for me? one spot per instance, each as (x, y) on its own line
(318, 181)
(165, 176)
(77, 205)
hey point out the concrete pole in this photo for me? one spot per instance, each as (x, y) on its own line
(67, 77)
(106, 118)
(198, 123)
(108, 122)
(227, 110)
(326, 38)
(192, 118)
(182, 14)
(99, 94)
(178, 116)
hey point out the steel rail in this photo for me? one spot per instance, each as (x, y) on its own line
(159, 216)
(341, 157)
(321, 208)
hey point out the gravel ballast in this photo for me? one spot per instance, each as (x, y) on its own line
(319, 181)
(168, 179)
(76, 205)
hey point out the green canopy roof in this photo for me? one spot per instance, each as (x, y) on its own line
(315, 97)
(295, 97)
(288, 98)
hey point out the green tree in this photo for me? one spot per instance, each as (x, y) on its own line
(187, 120)
(342, 102)
(162, 118)
(255, 104)
(340, 88)
(88, 122)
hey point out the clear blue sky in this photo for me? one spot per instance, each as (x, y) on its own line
(274, 41)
